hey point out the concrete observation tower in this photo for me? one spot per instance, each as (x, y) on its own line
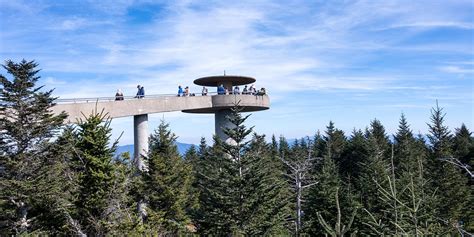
(139, 108)
(222, 104)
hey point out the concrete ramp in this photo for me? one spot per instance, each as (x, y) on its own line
(134, 107)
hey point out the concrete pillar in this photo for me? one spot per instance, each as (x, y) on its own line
(222, 122)
(140, 137)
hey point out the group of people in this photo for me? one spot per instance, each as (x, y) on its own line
(184, 92)
(221, 90)
(140, 93)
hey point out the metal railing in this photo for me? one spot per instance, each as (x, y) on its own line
(113, 98)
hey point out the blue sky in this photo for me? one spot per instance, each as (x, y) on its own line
(345, 61)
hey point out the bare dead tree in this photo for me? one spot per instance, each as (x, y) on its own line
(299, 174)
(459, 164)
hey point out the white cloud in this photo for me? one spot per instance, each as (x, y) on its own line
(456, 69)
(290, 47)
(436, 24)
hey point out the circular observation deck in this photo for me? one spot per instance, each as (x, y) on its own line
(248, 103)
(215, 81)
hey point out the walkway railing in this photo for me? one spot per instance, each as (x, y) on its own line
(113, 98)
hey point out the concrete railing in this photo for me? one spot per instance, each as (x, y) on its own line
(77, 108)
(113, 98)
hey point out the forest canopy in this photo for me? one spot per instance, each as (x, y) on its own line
(57, 179)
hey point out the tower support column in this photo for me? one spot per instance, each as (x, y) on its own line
(140, 137)
(221, 122)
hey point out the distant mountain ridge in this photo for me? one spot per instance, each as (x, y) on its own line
(182, 148)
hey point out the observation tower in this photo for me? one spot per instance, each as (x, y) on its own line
(139, 108)
(222, 104)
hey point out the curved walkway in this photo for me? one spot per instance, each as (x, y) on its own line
(131, 106)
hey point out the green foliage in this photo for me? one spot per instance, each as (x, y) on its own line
(97, 173)
(240, 193)
(463, 145)
(354, 155)
(450, 183)
(166, 184)
(28, 181)
(374, 173)
(71, 183)
(339, 228)
(324, 203)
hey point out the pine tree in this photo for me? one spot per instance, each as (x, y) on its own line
(355, 153)
(463, 148)
(216, 213)
(26, 129)
(192, 159)
(451, 184)
(463, 145)
(324, 201)
(374, 173)
(266, 195)
(318, 145)
(97, 173)
(336, 142)
(404, 141)
(321, 197)
(166, 184)
(240, 193)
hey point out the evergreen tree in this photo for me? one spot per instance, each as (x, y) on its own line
(463, 148)
(451, 184)
(196, 160)
(216, 212)
(324, 202)
(374, 173)
(192, 159)
(463, 145)
(321, 198)
(240, 193)
(167, 184)
(26, 157)
(355, 153)
(97, 173)
(318, 145)
(335, 142)
(403, 145)
(266, 195)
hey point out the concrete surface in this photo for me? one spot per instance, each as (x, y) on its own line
(191, 104)
(140, 137)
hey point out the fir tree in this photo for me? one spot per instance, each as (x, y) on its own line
(336, 142)
(240, 194)
(324, 202)
(97, 173)
(403, 144)
(166, 184)
(216, 213)
(266, 196)
(463, 145)
(192, 159)
(451, 184)
(26, 129)
(355, 153)
(318, 145)
(374, 173)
